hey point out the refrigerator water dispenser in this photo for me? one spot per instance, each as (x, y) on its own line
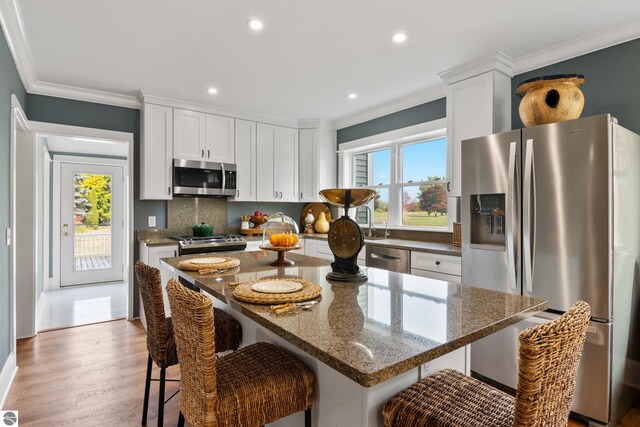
(487, 220)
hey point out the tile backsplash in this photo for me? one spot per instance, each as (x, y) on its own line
(184, 212)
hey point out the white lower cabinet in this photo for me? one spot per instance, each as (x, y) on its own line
(320, 249)
(441, 267)
(151, 255)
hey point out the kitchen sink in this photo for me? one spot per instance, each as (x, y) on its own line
(374, 238)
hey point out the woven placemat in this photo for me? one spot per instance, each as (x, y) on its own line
(309, 291)
(228, 263)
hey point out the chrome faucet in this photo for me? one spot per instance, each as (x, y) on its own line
(372, 227)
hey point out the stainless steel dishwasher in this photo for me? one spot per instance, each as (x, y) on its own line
(391, 259)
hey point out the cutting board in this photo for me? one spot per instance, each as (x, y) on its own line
(316, 208)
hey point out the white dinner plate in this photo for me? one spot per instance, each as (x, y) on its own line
(209, 260)
(276, 286)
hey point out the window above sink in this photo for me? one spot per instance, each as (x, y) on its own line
(409, 174)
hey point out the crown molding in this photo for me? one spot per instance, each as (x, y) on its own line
(82, 94)
(499, 62)
(316, 124)
(577, 47)
(13, 29)
(392, 107)
(169, 101)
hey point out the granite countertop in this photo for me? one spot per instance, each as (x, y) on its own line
(160, 238)
(439, 248)
(158, 241)
(377, 330)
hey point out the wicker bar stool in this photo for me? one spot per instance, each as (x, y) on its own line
(548, 362)
(253, 386)
(160, 340)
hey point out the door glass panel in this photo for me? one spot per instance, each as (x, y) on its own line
(92, 221)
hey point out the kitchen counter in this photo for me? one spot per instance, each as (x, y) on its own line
(375, 331)
(158, 241)
(412, 245)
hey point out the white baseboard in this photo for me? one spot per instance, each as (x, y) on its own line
(40, 306)
(7, 375)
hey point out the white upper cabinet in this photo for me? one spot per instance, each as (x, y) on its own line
(219, 139)
(200, 136)
(317, 163)
(476, 106)
(277, 163)
(286, 149)
(266, 191)
(156, 151)
(245, 148)
(189, 134)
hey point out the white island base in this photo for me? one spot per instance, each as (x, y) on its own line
(339, 401)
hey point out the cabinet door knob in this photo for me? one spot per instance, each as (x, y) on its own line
(437, 262)
(208, 154)
(448, 185)
(237, 193)
(301, 193)
(202, 154)
(169, 190)
(275, 194)
(281, 194)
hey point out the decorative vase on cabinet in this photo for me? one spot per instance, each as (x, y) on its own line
(322, 225)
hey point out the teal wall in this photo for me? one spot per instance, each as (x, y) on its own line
(612, 83)
(411, 116)
(10, 83)
(99, 116)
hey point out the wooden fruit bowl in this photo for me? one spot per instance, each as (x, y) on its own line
(258, 221)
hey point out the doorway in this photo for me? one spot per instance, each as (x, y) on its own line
(91, 221)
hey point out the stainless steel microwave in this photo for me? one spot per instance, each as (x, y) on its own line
(196, 178)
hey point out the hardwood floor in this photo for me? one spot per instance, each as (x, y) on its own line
(90, 375)
(94, 376)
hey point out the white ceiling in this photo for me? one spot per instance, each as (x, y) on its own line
(309, 55)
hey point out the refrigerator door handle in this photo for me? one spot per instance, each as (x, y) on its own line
(511, 216)
(527, 214)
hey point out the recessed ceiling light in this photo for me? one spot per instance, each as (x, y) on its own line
(352, 96)
(255, 24)
(399, 37)
(212, 90)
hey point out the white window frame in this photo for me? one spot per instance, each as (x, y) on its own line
(395, 140)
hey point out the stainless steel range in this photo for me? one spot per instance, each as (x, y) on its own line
(216, 243)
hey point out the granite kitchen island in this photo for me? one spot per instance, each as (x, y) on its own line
(364, 342)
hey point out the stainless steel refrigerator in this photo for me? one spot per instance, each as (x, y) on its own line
(553, 212)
